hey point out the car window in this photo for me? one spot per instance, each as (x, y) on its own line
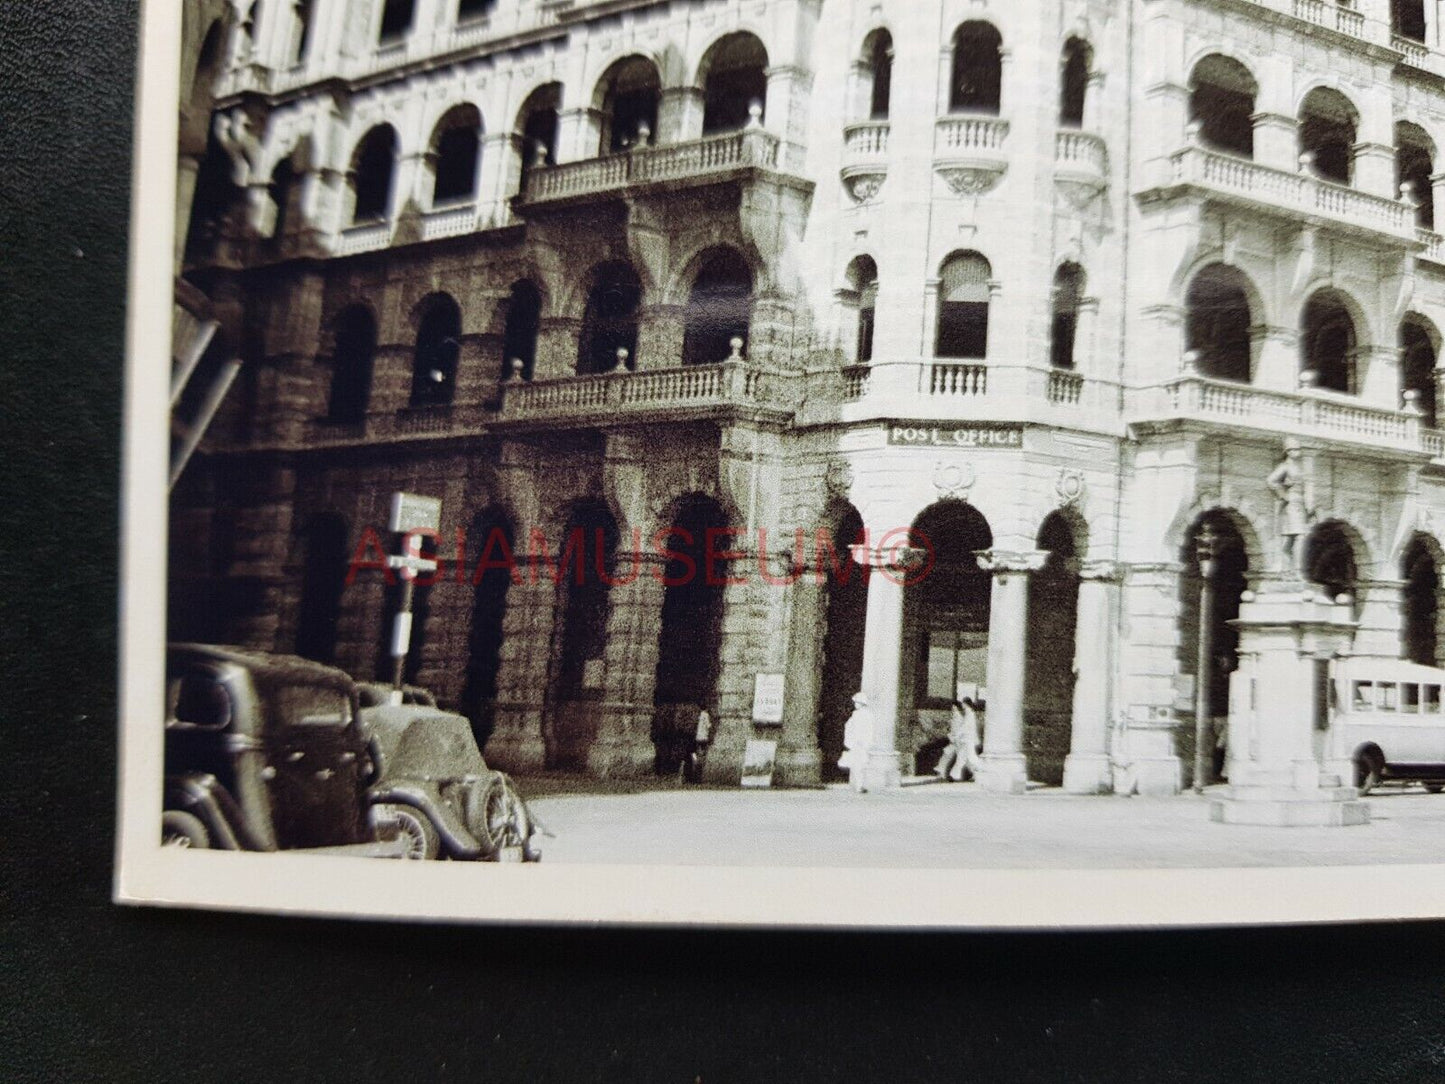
(1432, 699)
(199, 700)
(310, 705)
(1386, 697)
(1364, 696)
(1410, 697)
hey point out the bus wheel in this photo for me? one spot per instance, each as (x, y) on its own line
(1367, 772)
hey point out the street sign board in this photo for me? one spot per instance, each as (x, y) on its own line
(411, 512)
(768, 699)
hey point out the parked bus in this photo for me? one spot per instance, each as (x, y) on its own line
(1388, 717)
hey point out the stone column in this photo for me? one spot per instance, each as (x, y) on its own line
(679, 115)
(1004, 769)
(1437, 190)
(1276, 141)
(578, 134)
(623, 744)
(501, 167)
(1085, 330)
(882, 658)
(1086, 768)
(1374, 170)
(660, 333)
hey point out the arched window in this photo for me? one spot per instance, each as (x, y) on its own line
(878, 68)
(456, 147)
(719, 309)
(734, 80)
(1417, 366)
(1327, 342)
(1330, 559)
(396, 18)
(963, 297)
(1068, 292)
(300, 30)
(467, 10)
(216, 195)
(1407, 19)
(609, 326)
(519, 338)
(1073, 83)
(1221, 102)
(628, 96)
(1414, 166)
(1420, 603)
(351, 363)
(1327, 124)
(438, 346)
(374, 166)
(863, 294)
(537, 127)
(1217, 323)
(977, 69)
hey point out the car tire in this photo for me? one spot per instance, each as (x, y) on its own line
(412, 825)
(1434, 788)
(1367, 772)
(496, 817)
(179, 829)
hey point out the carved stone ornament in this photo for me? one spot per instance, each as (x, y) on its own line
(953, 480)
(864, 187)
(1079, 193)
(972, 180)
(838, 477)
(1070, 486)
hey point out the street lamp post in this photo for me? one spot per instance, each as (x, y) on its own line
(1206, 550)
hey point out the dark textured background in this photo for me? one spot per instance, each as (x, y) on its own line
(94, 992)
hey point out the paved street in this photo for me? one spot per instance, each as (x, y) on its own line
(953, 826)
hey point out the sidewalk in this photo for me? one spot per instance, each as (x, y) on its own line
(954, 826)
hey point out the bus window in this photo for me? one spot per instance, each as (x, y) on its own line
(1387, 696)
(1364, 698)
(1410, 697)
(1432, 699)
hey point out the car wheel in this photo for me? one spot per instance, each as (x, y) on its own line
(1434, 788)
(497, 817)
(408, 824)
(183, 830)
(1367, 772)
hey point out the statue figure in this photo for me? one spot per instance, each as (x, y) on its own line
(1289, 482)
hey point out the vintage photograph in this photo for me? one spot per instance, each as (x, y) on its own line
(833, 435)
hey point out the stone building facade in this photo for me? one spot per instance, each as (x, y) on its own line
(1038, 289)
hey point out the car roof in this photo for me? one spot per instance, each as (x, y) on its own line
(265, 665)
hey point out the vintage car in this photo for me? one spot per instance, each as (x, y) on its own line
(264, 753)
(435, 792)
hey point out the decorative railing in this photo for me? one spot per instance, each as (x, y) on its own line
(751, 148)
(363, 238)
(1331, 15)
(1294, 191)
(683, 387)
(1081, 150)
(955, 379)
(1304, 413)
(1434, 243)
(1433, 441)
(866, 141)
(449, 222)
(855, 382)
(960, 135)
(1065, 388)
(1416, 52)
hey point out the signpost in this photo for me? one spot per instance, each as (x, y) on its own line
(413, 517)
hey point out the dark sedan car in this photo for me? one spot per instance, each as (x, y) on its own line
(264, 753)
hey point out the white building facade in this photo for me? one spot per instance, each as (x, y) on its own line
(1040, 290)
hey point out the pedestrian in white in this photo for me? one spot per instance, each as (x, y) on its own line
(857, 737)
(961, 752)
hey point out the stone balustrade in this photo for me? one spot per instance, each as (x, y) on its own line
(962, 135)
(449, 222)
(364, 238)
(698, 159)
(682, 388)
(866, 141)
(1240, 179)
(1081, 152)
(1434, 243)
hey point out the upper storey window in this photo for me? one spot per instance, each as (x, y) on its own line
(354, 335)
(963, 301)
(1073, 83)
(1328, 342)
(734, 80)
(863, 294)
(523, 325)
(1217, 323)
(719, 309)
(537, 125)
(628, 97)
(372, 170)
(468, 10)
(609, 326)
(1221, 102)
(456, 150)
(1407, 19)
(1417, 364)
(1327, 134)
(878, 73)
(438, 346)
(1414, 166)
(1068, 293)
(396, 19)
(977, 77)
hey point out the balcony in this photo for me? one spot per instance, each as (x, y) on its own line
(865, 158)
(1434, 250)
(1081, 165)
(705, 160)
(1311, 414)
(968, 152)
(940, 389)
(1331, 16)
(1241, 182)
(658, 394)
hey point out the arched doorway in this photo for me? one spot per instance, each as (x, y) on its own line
(1330, 561)
(690, 635)
(719, 309)
(842, 640)
(609, 323)
(945, 625)
(323, 579)
(1230, 577)
(586, 555)
(1419, 601)
(734, 78)
(1053, 616)
(490, 545)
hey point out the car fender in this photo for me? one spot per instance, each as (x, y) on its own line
(202, 796)
(426, 798)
